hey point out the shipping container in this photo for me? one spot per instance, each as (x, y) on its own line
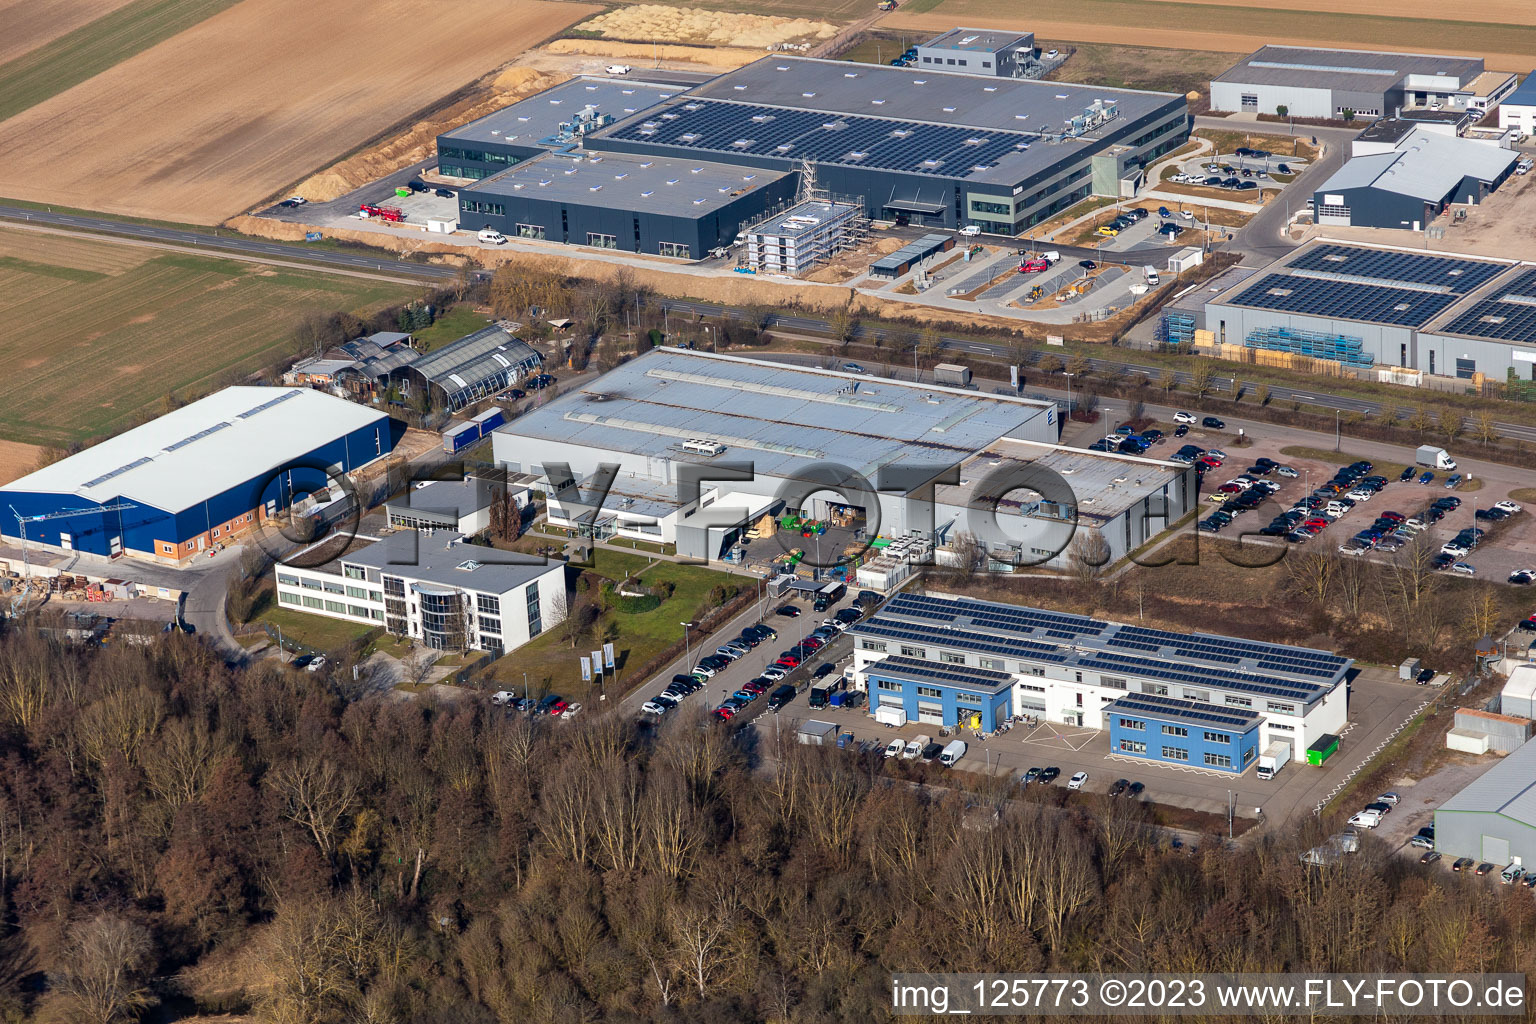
(952, 374)
(489, 420)
(460, 435)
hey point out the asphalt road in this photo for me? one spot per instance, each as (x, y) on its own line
(232, 243)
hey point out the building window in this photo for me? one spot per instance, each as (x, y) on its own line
(929, 691)
(878, 646)
(602, 241)
(678, 249)
(1281, 709)
(535, 617)
(995, 664)
(336, 606)
(353, 572)
(1114, 682)
(1219, 760)
(357, 592)
(287, 581)
(286, 598)
(1203, 696)
(1280, 726)
(359, 611)
(1250, 102)
(951, 659)
(1465, 368)
(333, 588)
(1175, 754)
(887, 684)
(1133, 747)
(1131, 723)
(1217, 737)
(972, 699)
(1248, 754)
(1157, 689)
(488, 604)
(490, 625)
(1175, 730)
(914, 652)
(530, 231)
(312, 602)
(1239, 702)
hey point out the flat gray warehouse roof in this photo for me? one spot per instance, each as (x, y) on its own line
(1344, 70)
(644, 184)
(441, 558)
(538, 117)
(780, 418)
(983, 40)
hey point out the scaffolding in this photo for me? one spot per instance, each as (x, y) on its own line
(1338, 348)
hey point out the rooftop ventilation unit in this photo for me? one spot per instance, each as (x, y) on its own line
(700, 446)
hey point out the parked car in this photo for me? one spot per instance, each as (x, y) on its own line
(1483, 869)
(1119, 786)
(1033, 775)
(1078, 780)
(1429, 857)
(1049, 774)
(1212, 423)
(1462, 864)
(1365, 819)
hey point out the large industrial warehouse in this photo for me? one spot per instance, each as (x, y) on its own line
(883, 448)
(1365, 84)
(196, 477)
(1411, 184)
(1368, 306)
(1494, 818)
(663, 162)
(1190, 699)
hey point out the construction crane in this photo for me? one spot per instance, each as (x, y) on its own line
(22, 522)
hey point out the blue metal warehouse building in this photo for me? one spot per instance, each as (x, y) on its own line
(199, 476)
(1183, 732)
(944, 150)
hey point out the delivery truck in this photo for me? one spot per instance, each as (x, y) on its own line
(1434, 458)
(1273, 759)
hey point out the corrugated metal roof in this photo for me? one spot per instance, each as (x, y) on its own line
(1525, 94)
(1344, 70)
(201, 450)
(1508, 788)
(1426, 165)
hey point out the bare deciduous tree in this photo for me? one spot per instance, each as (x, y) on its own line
(101, 976)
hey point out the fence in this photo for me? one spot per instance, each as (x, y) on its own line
(1349, 776)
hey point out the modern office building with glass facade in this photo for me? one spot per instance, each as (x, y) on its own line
(435, 589)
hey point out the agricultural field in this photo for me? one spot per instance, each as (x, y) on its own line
(99, 332)
(1501, 32)
(92, 48)
(238, 107)
(1141, 67)
(31, 23)
(831, 10)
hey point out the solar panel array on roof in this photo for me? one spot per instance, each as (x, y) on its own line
(884, 143)
(1184, 710)
(1032, 634)
(957, 675)
(1507, 314)
(1343, 300)
(1391, 267)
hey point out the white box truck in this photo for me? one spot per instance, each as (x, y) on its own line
(915, 747)
(1273, 759)
(1434, 458)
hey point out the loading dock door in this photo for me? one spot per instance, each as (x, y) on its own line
(930, 714)
(1495, 850)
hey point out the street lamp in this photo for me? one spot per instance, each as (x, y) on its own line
(687, 651)
(1069, 393)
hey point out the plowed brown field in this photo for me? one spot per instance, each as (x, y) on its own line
(29, 24)
(208, 123)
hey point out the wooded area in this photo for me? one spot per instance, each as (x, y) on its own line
(249, 841)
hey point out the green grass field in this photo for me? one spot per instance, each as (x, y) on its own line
(461, 320)
(317, 631)
(97, 333)
(549, 660)
(92, 48)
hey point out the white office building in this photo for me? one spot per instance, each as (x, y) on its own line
(434, 589)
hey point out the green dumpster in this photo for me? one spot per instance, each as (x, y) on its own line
(403, 193)
(1326, 746)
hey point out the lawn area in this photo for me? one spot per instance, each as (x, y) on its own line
(550, 661)
(92, 48)
(1226, 142)
(317, 631)
(459, 321)
(883, 47)
(99, 332)
(1140, 67)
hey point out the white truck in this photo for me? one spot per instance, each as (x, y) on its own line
(1434, 458)
(1273, 759)
(1150, 273)
(915, 747)
(619, 69)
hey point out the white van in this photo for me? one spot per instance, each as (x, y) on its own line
(894, 747)
(1150, 273)
(953, 752)
(501, 697)
(493, 237)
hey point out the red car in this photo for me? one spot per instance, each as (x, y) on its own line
(811, 643)
(724, 714)
(1396, 517)
(788, 661)
(1229, 489)
(558, 707)
(1209, 461)
(1316, 522)
(753, 687)
(1034, 266)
